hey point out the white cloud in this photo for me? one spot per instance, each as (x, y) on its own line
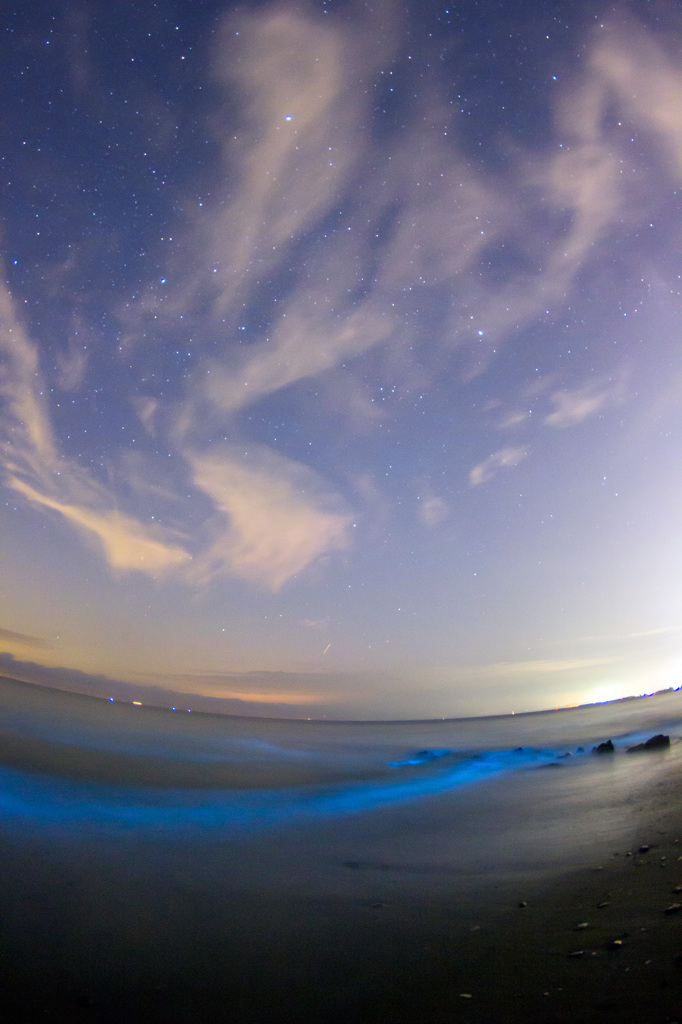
(432, 510)
(371, 234)
(507, 458)
(646, 79)
(273, 522)
(72, 365)
(128, 545)
(147, 409)
(301, 128)
(573, 406)
(513, 419)
(274, 517)
(27, 433)
(34, 468)
(301, 157)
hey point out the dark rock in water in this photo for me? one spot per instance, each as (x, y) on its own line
(580, 750)
(659, 742)
(551, 764)
(604, 748)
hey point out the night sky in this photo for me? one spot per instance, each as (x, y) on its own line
(340, 353)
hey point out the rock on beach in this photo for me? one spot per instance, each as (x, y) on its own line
(658, 742)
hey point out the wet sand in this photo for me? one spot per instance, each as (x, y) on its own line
(169, 870)
(137, 931)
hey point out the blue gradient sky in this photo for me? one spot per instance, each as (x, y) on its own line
(340, 354)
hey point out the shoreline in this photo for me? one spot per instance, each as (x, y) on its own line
(376, 881)
(137, 937)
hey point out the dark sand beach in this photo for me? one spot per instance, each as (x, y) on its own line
(83, 946)
(480, 904)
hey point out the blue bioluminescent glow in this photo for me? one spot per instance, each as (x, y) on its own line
(57, 802)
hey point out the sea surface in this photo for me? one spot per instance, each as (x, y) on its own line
(421, 799)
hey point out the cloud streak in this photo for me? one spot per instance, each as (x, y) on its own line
(574, 406)
(505, 458)
(26, 432)
(338, 249)
(272, 521)
(256, 692)
(128, 545)
(23, 639)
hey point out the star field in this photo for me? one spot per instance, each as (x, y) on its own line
(340, 351)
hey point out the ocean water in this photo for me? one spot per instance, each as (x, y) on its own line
(410, 800)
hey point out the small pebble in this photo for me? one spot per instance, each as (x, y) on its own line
(522, 904)
(577, 952)
(676, 888)
(644, 848)
(604, 903)
(465, 995)
(615, 944)
(673, 908)
(582, 926)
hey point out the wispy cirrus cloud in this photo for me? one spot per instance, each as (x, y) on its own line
(644, 74)
(274, 515)
(128, 545)
(27, 433)
(405, 246)
(35, 468)
(432, 510)
(272, 518)
(9, 636)
(572, 406)
(72, 364)
(334, 250)
(299, 84)
(505, 458)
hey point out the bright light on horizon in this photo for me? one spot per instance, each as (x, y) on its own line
(605, 692)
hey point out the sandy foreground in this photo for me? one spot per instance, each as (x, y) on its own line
(132, 930)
